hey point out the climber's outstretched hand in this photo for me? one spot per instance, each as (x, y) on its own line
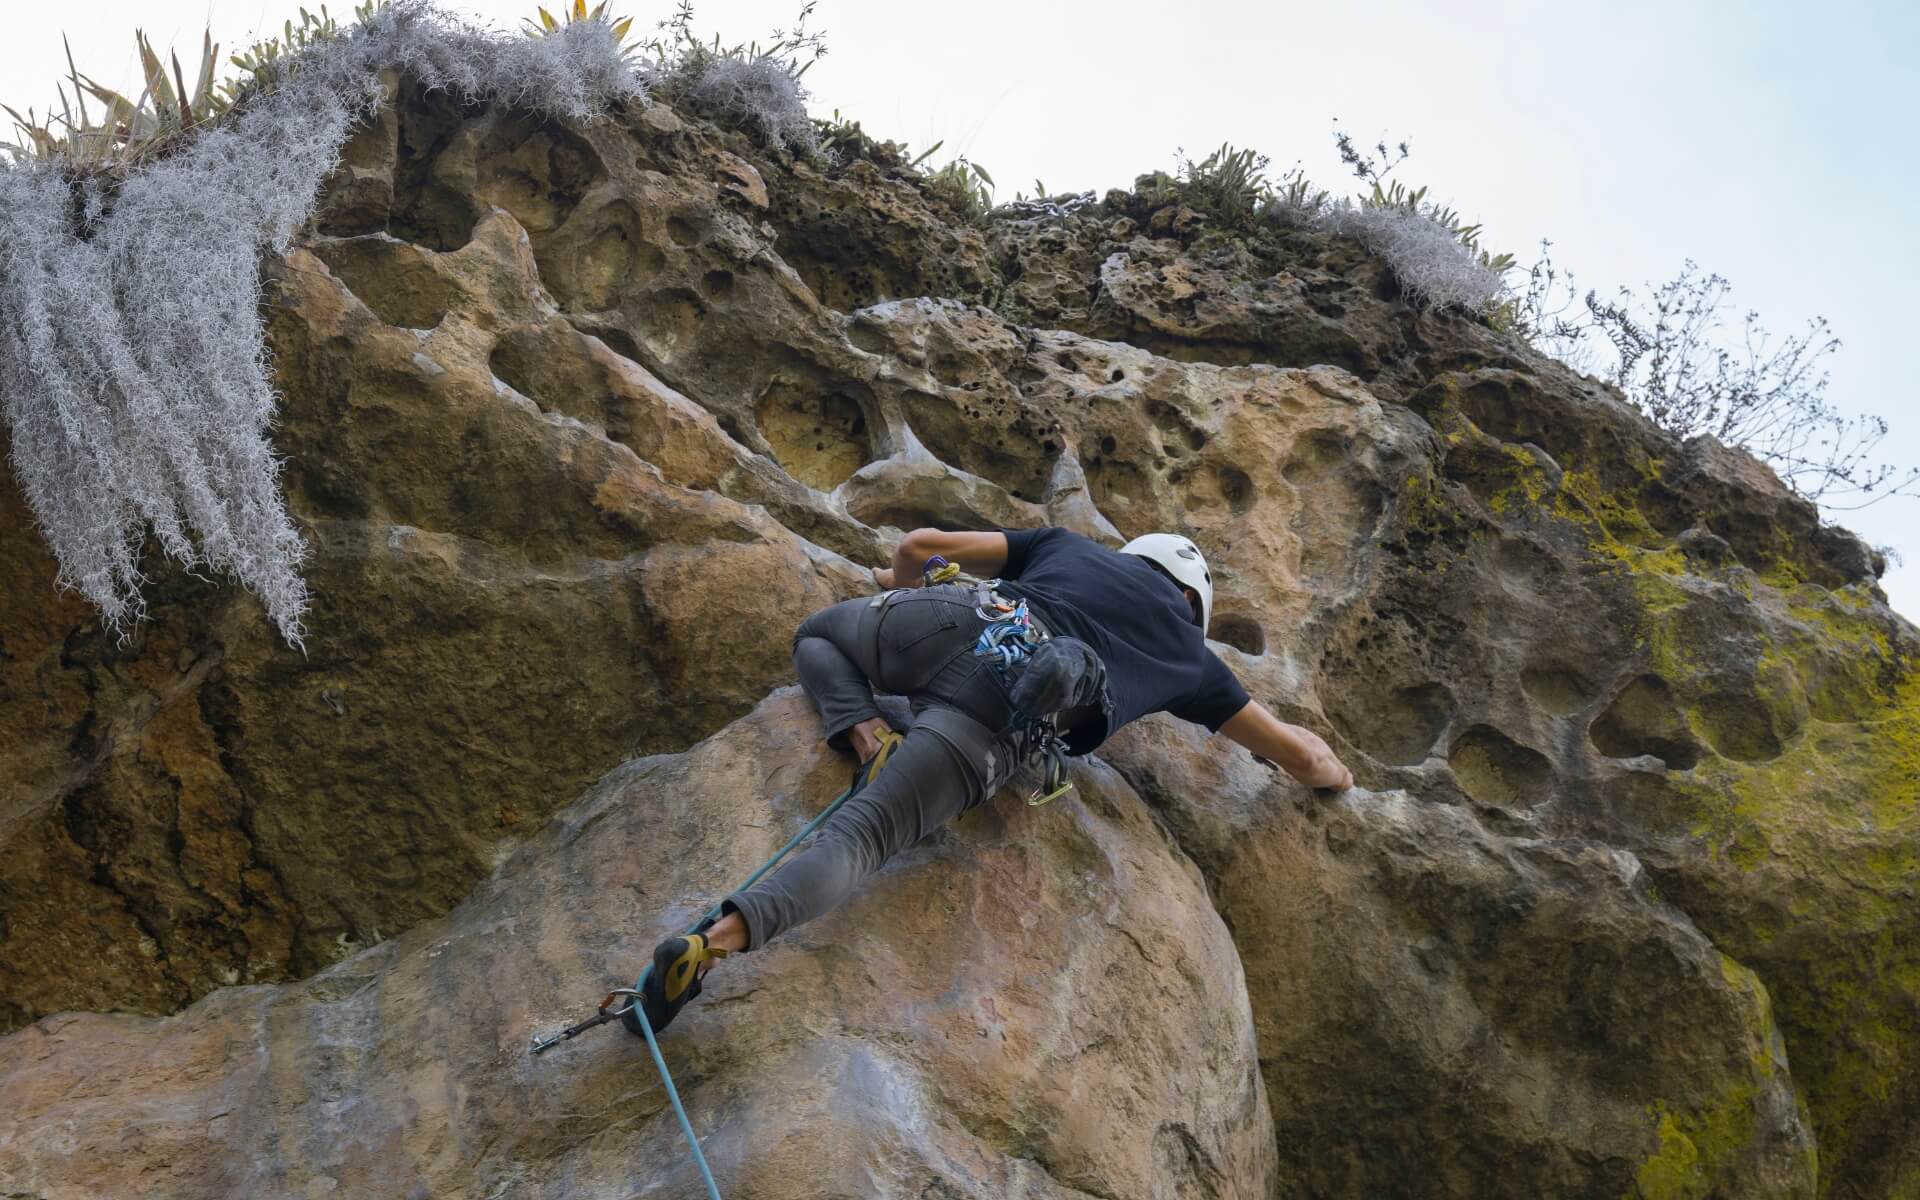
(1299, 752)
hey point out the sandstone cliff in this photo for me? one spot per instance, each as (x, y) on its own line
(582, 419)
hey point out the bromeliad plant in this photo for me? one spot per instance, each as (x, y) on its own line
(128, 132)
(1436, 258)
(546, 24)
(962, 183)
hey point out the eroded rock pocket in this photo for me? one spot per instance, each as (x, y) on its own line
(395, 280)
(1644, 719)
(989, 436)
(819, 437)
(1398, 728)
(1499, 772)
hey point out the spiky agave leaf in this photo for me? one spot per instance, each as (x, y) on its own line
(158, 86)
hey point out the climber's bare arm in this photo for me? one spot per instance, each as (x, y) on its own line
(1299, 752)
(979, 554)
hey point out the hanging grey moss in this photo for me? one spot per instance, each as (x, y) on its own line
(134, 375)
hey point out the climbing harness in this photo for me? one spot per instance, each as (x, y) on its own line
(607, 1012)
(1009, 639)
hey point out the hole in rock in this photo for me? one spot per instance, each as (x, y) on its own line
(986, 434)
(554, 370)
(1501, 477)
(536, 170)
(682, 231)
(926, 508)
(820, 438)
(1738, 725)
(1398, 728)
(1498, 771)
(951, 369)
(1236, 487)
(1504, 404)
(617, 339)
(1242, 633)
(358, 197)
(602, 266)
(1123, 492)
(433, 202)
(607, 264)
(1558, 690)
(1644, 719)
(868, 338)
(1313, 458)
(397, 281)
(669, 321)
(1219, 487)
(717, 284)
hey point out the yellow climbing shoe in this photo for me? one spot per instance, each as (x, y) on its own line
(674, 980)
(867, 771)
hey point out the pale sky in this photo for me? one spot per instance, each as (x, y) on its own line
(1770, 142)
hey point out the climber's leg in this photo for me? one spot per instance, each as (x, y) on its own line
(834, 669)
(912, 642)
(947, 764)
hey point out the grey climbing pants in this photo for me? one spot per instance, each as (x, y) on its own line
(958, 751)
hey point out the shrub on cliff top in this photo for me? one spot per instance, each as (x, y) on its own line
(1435, 256)
(1671, 354)
(133, 366)
(745, 86)
(1423, 251)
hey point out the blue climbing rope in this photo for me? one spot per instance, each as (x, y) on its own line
(639, 985)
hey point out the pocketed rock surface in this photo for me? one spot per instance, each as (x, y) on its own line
(581, 420)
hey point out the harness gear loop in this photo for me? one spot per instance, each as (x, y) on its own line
(1009, 639)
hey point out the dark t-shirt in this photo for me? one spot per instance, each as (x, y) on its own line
(1136, 619)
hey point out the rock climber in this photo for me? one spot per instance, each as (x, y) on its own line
(1120, 635)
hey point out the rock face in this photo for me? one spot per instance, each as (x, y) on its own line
(581, 421)
(943, 1059)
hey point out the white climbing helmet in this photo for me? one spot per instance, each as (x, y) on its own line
(1180, 558)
